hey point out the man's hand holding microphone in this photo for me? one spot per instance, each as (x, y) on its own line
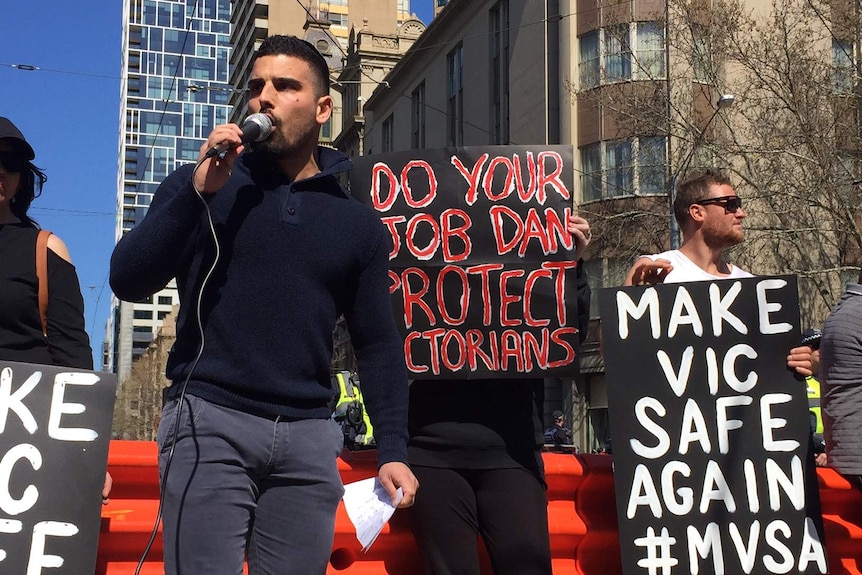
(223, 146)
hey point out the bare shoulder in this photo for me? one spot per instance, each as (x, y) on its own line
(56, 245)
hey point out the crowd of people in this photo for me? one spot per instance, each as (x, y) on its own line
(253, 235)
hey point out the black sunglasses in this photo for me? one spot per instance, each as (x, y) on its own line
(12, 161)
(730, 203)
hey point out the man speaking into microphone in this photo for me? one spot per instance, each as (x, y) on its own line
(268, 251)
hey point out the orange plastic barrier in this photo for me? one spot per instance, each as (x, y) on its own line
(581, 517)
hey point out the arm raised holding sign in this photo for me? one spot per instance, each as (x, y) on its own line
(710, 215)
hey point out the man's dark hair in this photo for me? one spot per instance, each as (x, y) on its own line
(694, 188)
(282, 45)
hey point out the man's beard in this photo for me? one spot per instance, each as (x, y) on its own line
(278, 147)
(722, 239)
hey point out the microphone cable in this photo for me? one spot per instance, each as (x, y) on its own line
(182, 396)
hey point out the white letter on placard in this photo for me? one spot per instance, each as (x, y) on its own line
(747, 554)
(715, 488)
(727, 368)
(14, 401)
(626, 307)
(684, 312)
(41, 531)
(58, 408)
(769, 423)
(769, 561)
(693, 428)
(678, 382)
(793, 486)
(719, 306)
(750, 475)
(723, 423)
(643, 493)
(686, 494)
(654, 428)
(703, 546)
(31, 493)
(812, 548)
(764, 308)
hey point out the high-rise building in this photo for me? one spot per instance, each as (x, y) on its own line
(174, 91)
(324, 23)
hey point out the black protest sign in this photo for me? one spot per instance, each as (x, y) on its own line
(55, 426)
(480, 269)
(710, 430)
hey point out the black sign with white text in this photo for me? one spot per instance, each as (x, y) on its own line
(710, 430)
(55, 426)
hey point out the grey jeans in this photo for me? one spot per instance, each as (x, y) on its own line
(239, 486)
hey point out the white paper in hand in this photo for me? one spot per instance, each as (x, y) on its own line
(369, 507)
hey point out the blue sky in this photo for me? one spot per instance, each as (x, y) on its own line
(68, 109)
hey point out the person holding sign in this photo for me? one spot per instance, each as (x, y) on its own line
(710, 215)
(475, 446)
(268, 251)
(28, 334)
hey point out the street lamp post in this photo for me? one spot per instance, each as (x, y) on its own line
(724, 101)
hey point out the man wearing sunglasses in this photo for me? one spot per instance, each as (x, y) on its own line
(710, 216)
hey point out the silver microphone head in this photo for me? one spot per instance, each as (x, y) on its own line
(258, 126)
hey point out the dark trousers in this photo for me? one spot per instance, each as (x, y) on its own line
(240, 484)
(508, 507)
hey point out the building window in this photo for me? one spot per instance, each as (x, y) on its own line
(418, 123)
(650, 49)
(591, 172)
(633, 51)
(499, 38)
(337, 19)
(633, 166)
(842, 66)
(589, 64)
(455, 98)
(619, 172)
(618, 53)
(165, 300)
(388, 133)
(143, 314)
(652, 167)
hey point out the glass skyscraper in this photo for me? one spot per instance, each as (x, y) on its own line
(174, 91)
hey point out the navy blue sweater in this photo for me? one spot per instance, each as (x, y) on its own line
(294, 256)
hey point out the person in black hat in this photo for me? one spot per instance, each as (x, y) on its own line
(61, 339)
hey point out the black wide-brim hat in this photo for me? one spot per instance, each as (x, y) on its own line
(8, 131)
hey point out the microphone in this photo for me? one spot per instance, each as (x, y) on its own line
(255, 128)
